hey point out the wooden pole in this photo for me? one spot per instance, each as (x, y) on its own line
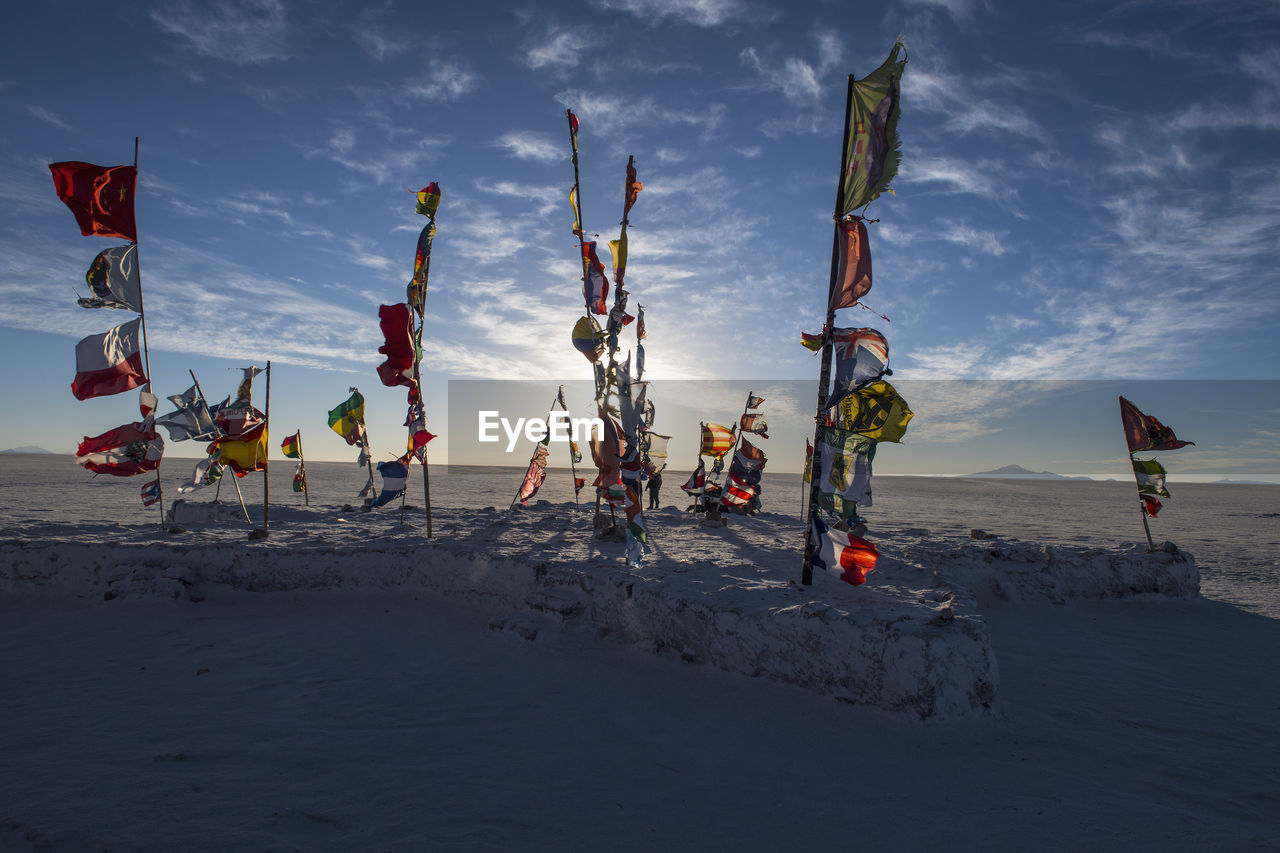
(1142, 509)
(573, 466)
(142, 316)
(266, 463)
(824, 374)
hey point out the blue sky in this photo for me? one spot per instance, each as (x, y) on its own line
(1087, 191)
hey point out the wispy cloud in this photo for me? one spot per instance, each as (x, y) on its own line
(242, 32)
(987, 242)
(378, 45)
(556, 47)
(48, 116)
(797, 80)
(526, 145)
(958, 176)
(443, 81)
(700, 13)
(615, 115)
(965, 109)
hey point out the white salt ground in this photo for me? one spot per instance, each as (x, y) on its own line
(387, 717)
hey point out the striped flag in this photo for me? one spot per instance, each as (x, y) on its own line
(122, 452)
(595, 287)
(109, 363)
(1150, 477)
(716, 440)
(292, 446)
(843, 554)
(737, 492)
(395, 476)
(150, 492)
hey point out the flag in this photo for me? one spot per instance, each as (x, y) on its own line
(810, 341)
(655, 445)
(606, 451)
(861, 356)
(150, 493)
(843, 554)
(871, 153)
(595, 287)
(291, 447)
(573, 205)
(534, 476)
(560, 398)
(754, 402)
(1151, 505)
(876, 411)
(632, 188)
(416, 291)
(101, 198)
(618, 251)
(300, 479)
(573, 136)
(206, 473)
(109, 363)
(578, 483)
(397, 329)
(639, 362)
(616, 495)
(635, 516)
(242, 447)
(808, 461)
(737, 491)
(716, 440)
(192, 419)
(588, 339)
(574, 453)
(697, 480)
(244, 393)
(122, 452)
(428, 200)
(1144, 432)
(147, 403)
(347, 420)
(1150, 477)
(845, 479)
(755, 424)
(395, 476)
(416, 421)
(853, 279)
(113, 280)
(748, 460)
(630, 465)
(641, 334)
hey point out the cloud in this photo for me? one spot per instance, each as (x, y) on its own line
(443, 81)
(524, 145)
(557, 47)
(987, 242)
(48, 116)
(380, 46)
(960, 176)
(614, 115)
(797, 80)
(700, 13)
(242, 32)
(959, 99)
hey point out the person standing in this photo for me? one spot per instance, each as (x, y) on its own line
(655, 483)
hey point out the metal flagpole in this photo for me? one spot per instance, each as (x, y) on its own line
(824, 375)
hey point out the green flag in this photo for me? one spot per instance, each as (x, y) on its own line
(876, 411)
(1150, 477)
(871, 153)
(348, 417)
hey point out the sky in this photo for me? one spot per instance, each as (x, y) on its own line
(1088, 192)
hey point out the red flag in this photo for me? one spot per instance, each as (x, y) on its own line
(633, 187)
(109, 363)
(397, 328)
(1151, 505)
(854, 277)
(595, 286)
(122, 452)
(578, 483)
(101, 198)
(1144, 432)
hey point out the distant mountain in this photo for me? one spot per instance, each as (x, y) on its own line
(1017, 472)
(1245, 482)
(27, 448)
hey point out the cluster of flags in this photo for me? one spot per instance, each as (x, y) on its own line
(347, 420)
(536, 473)
(102, 201)
(857, 407)
(1145, 433)
(738, 489)
(629, 451)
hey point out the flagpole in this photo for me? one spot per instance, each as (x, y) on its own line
(234, 481)
(142, 315)
(266, 463)
(420, 297)
(573, 466)
(824, 375)
(1142, 507)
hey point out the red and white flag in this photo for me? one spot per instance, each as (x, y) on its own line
(122, 452)
(845, 555)
(109, 363)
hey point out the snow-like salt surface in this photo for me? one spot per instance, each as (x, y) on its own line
(345, 684)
